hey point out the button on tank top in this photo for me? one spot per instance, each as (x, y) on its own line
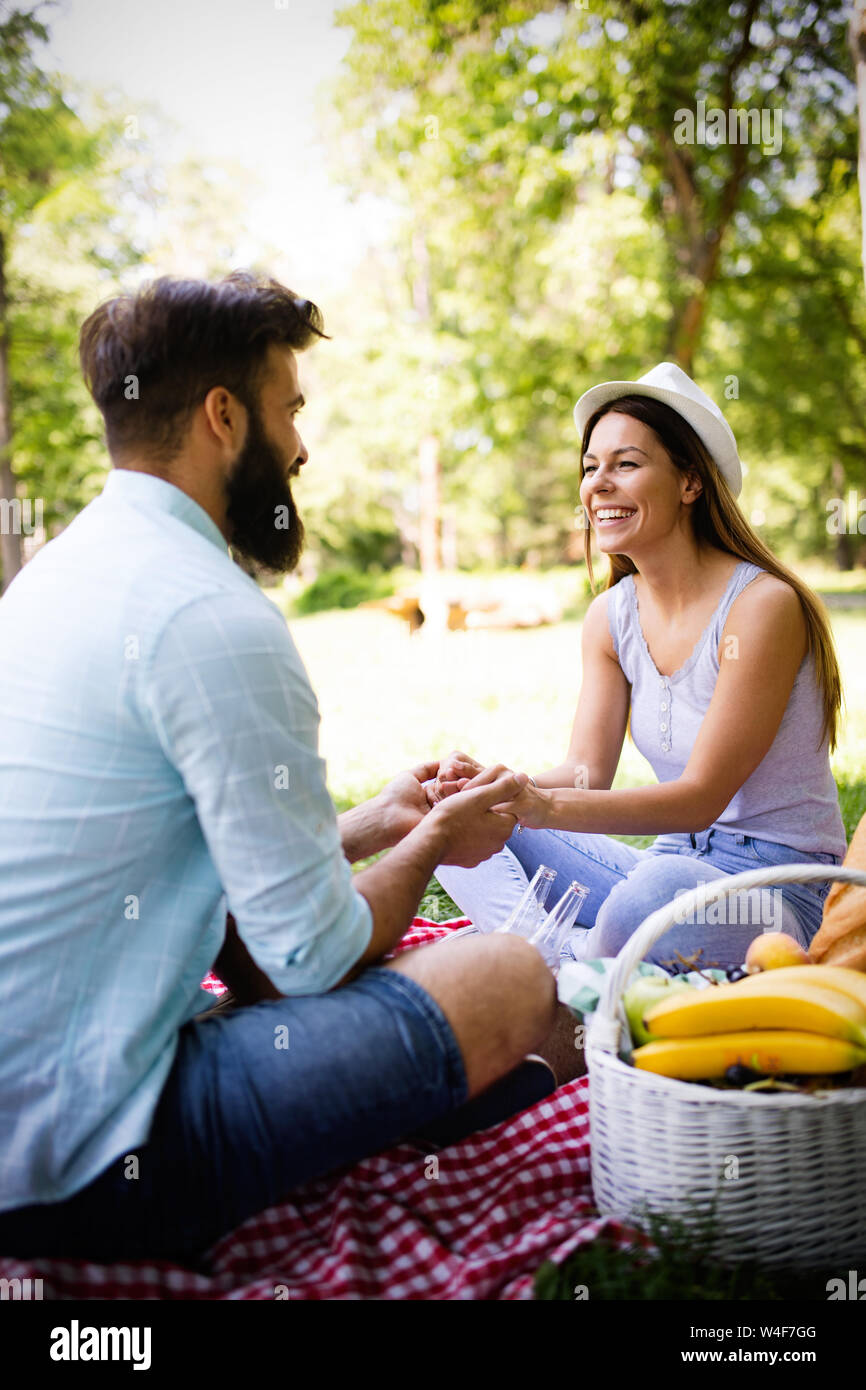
(791, 797)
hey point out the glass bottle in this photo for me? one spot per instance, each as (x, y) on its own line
(552, 932)
(529, 914)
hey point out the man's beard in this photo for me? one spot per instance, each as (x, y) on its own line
(263, 521)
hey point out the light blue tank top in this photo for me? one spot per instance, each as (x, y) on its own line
(791, 797)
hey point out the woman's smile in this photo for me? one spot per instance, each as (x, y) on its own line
(612, 516)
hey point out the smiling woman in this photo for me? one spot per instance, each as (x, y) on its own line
(720, 661)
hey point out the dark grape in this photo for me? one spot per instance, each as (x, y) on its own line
(741, 1076)
(736, 973)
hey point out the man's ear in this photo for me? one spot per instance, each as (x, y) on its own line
(225, 419)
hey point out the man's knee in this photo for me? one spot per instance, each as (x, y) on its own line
(496, 992)
(517, 971)
(495, 970)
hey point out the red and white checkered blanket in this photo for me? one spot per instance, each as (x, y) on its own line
(473, 1221)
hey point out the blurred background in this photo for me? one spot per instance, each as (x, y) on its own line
(495, 205)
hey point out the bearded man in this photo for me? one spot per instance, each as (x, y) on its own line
(163, 811)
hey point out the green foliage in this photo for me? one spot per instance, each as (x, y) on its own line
(852, 801)
(48, 152)
(341, 588)
(550, 232)
(679, 1266)
(362, 547)
(77, 186)
(437, 905)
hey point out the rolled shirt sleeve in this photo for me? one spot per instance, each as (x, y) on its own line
(233, 708)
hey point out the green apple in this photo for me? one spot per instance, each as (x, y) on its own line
(640, 997)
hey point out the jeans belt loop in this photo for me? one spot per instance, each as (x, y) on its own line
(693, 840)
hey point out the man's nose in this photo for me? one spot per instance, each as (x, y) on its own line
(302, 451)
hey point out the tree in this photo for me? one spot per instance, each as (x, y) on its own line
(86, 206)
(531, 150)
(45, 147)
(857, 41)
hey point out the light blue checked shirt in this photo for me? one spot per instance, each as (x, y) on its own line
(158, 764)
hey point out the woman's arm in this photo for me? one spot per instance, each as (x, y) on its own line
(602, 709)
(763, 645)
(599, 723)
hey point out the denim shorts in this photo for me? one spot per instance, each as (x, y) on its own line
(259, 1100)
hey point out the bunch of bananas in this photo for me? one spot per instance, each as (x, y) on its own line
(804, 1019)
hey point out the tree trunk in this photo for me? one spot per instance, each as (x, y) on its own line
(703, 238)
(433, 604)
(430, 505)
(857, 41)
(686, 324)
(10, 535)
(843, 557)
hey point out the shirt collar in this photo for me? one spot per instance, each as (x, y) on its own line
(137, 487)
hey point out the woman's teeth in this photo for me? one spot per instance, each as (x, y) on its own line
(610, 516)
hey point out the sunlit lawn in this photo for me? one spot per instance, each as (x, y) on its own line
(389, 700)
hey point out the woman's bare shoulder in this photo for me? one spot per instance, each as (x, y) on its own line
(768, 587)
(768, 600)
(596, 624)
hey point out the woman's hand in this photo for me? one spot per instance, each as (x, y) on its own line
(531, 807)
(455, 772)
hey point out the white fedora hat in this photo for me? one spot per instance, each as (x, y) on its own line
(668, 383)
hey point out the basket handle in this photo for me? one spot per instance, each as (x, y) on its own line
(605, 1026)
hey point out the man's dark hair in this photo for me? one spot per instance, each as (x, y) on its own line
(150, 357)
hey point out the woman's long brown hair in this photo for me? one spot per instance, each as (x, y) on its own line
(718, 521)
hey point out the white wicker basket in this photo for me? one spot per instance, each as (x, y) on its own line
(796, 1193)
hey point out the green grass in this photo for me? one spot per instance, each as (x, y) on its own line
(680, 1267)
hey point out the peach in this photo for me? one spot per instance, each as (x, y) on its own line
(774, 949)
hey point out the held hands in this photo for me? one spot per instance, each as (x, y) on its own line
(455, 772)
(480, 819)
(531, 807)
(458, 771)
(405, 802)
(409, 797)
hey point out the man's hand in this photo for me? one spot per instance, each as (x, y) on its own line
(386, 819)
(461, 830)
(454, 773)
(404, 801)
(474, 831)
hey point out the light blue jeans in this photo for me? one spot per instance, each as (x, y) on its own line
(627, 884)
